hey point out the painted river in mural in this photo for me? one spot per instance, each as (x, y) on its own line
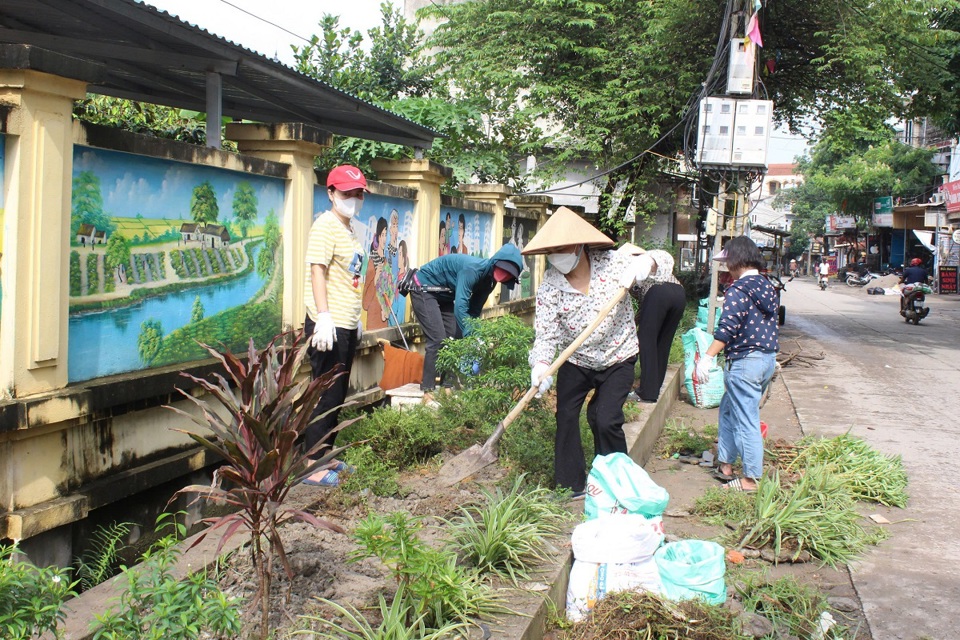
(105, 343)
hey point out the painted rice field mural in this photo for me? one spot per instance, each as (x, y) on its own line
(386, 229)
(165, 254)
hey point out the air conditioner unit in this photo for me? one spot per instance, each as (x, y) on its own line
(937, 198)
(751, 134)
(742, 61)
(715, 131)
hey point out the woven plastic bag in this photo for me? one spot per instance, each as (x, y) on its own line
(692, 569)
(704, 395)
(703, 312)
(617, 484)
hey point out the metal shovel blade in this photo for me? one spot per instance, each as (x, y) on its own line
(465, 464)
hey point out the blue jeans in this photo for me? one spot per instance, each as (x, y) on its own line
(745, 379)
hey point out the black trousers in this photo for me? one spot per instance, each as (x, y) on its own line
(604, 415)
(340, 357)
(437, 323)
(657, 323)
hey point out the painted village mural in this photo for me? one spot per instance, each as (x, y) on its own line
(518, 232)
(164, 254)
(465, 231)
(386, 230)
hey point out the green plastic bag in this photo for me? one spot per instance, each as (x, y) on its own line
(617, 484)
(703, 312)
(703, 395)
(692, 569)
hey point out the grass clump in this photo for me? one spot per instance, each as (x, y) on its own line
(787, 603)
(508, 530)
(634, 614)
(868, 474)
(815, 514)
(677, 437)
(718, 506)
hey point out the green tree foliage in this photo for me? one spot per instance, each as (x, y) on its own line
(244, 207)
(150, 340)
(75, 277)
(203, 204)
(142, 117)
(196, 314)
(271, 243)
(86, 204)
(118, 253)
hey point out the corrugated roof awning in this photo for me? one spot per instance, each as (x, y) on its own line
(148, 55)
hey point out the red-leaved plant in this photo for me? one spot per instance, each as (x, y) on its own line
(266, 411)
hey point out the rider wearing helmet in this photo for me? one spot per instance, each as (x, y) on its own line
(914, 273)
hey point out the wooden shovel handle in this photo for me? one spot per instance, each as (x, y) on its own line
(564, 355)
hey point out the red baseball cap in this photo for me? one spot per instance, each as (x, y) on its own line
(346, 178)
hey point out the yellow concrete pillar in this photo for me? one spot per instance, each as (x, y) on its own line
(296, 145)
(39, 176)
(426, 177)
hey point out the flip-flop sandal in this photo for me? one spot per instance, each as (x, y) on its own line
(737, 485)
(723, 477)
(343, 467)
(330, 478)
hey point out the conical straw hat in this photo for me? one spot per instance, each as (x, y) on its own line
(563, 229)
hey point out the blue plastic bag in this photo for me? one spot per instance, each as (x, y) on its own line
(703, 395)
(617, 484)
(692, 569)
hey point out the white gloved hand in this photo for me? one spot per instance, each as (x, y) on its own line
(538, 370)
(359, 330)
(636, 271)
(324, 333)
(704, 364)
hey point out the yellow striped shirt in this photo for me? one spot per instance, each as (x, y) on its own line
(337, 248)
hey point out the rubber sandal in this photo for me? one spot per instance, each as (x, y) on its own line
(723, 477)
(329, 478)
(737, 485)
(343, 467)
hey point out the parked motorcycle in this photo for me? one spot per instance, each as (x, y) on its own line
(858, 279)
(822, 282)
(913, 302)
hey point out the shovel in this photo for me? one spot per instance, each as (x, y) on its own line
(478, 456)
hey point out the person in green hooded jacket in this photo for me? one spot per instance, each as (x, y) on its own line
(451, 289)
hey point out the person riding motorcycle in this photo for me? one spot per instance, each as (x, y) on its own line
(823, 271)
(914, 274)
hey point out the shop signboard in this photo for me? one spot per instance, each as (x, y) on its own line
(951, 195)
(883, 212)
(948, 279)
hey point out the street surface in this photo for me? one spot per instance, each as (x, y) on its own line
(894, 385)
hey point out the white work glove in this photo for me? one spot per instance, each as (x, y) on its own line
(359, 330)
(636, 271)
(324, 333)
(538, 370)
(704, 364)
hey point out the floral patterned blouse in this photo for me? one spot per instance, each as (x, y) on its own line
(564, 312)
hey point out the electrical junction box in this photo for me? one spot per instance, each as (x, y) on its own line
(715, 131)
(741, 65)
(711, 223)
(751, 133)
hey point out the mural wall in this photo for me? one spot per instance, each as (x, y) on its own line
(163, 254)
(518, 232)
(386, 229)
(465, 231)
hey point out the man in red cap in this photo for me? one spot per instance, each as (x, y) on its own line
(333, 294)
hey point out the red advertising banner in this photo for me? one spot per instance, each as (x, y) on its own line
(951, 195)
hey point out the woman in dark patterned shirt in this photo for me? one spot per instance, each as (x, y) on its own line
(748, 336)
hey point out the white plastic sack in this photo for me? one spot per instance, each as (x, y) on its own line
(590, 581)
(617, 485)
(618, 539)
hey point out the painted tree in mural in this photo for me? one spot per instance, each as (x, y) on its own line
(86, 204)
(271, 241)
(118, 254)
(244, 207)
(203, 204)
(150, 340)
(196, 314)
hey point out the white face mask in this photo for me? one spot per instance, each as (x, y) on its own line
(564, 262)
(349, 207)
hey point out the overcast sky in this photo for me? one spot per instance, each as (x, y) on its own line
(281, 23)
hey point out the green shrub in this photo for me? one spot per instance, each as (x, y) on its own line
(498, 346)
(75, 282)
(373, 472)
(93, 275)
(31, 598)
(404, 438)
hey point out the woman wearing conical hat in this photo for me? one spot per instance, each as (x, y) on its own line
(583, 275)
